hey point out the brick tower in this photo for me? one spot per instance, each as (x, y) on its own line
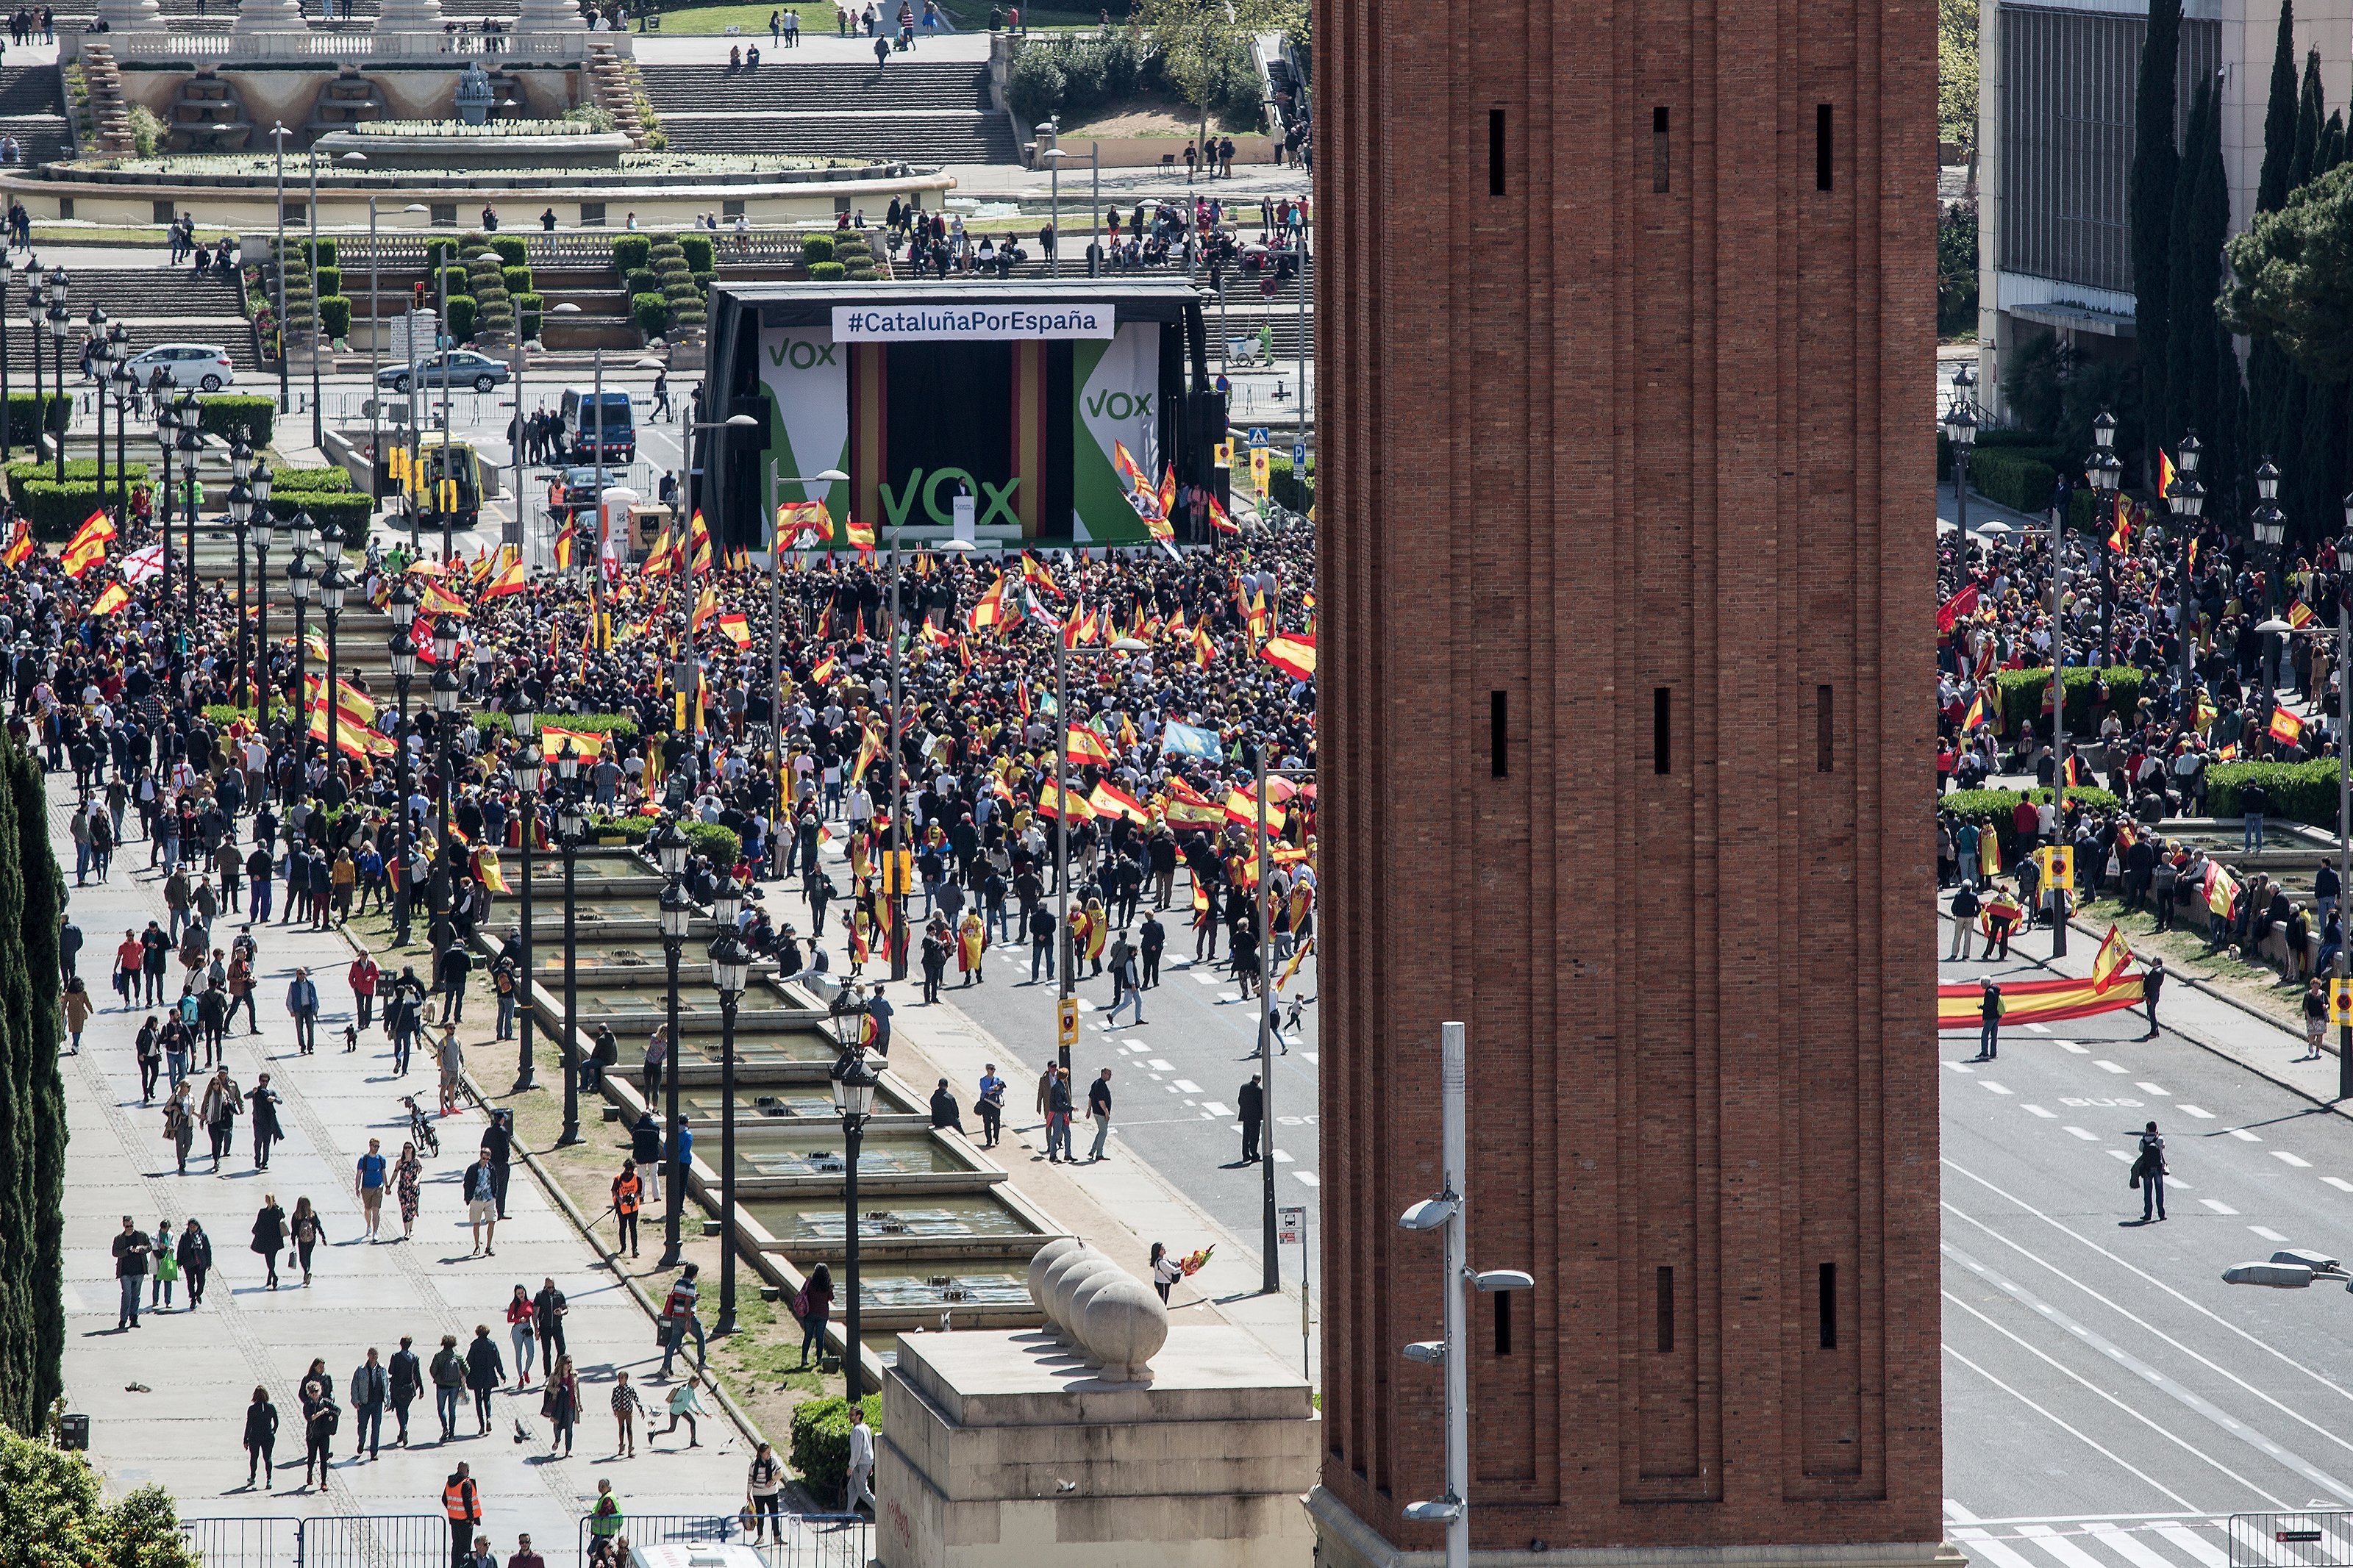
(1626, 404)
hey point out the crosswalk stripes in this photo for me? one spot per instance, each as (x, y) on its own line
(2097, 1543)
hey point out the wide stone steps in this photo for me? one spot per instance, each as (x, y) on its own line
(921, 138)
(783, 85)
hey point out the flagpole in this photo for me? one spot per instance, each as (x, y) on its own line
(2344, 796)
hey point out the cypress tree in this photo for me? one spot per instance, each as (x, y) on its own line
(2183, 402)
(45, 901)
(2202, 389)
(2308, 114)
(2156, 170)
(20, 1136)
(2268, 375)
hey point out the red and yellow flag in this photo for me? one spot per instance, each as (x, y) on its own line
(509, 579)
(113, 599)
(2300, 615)
(736, 628)
(2036, 1000)
(2112, 958)
(20, 545)
(2285, 726)
(991, 608)
(1086, 746)
(1109, 800)
(803, 525)
(1291, 653)
(564, 538)
(862, 537)
(1217, 517)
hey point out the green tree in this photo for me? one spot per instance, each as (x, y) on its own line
(2202, 374)
(1956, 73)
(52, 1515)
(1199, 41)
(1956, 271)
(2270, 377)
(2156, 170)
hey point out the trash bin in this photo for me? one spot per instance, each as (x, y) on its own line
(73, 1433)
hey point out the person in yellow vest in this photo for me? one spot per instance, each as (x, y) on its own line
(972, 941)
(463, 1503)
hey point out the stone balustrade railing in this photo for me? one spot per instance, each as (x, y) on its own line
(327, 47)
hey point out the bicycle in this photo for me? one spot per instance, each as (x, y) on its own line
(420, 1127)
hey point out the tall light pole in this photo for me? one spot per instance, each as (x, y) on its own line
(299, 582)
(853, 1097)
(571, 826)
(191, 443)
(60, 320)
(241, 521)
(670, 847)
(2270, 526)
(1054, 156)
(1449, 1213)
(167, 427)
(1271, 1268)
(403, 605)
(776, 481)
(277, 133)
(264, 530)
(100, 352)
(2188, 498)
(118, 358)
(37, 315)
(731, 965)
(525, 766)
(331, 585)
(444, 728)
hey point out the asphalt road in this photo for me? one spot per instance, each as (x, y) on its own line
(2109, 1402)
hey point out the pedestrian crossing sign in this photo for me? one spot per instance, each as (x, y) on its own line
(2340, 1004)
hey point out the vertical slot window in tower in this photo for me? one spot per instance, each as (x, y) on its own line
(1824, 713)
(1826, 1308)
(1494, 152)
(1666, 1309)
(1659, 169)
(1499, 758)
(1661, 732)
(1503, 1322)
(1822, 146)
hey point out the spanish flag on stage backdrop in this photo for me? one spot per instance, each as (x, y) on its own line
(2037, 1001)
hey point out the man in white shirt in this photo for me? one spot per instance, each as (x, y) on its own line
(862, 1461)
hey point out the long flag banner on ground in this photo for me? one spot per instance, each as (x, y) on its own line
(2036, 1000)
(1187, 741)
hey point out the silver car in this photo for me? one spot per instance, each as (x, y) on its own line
(201, 365)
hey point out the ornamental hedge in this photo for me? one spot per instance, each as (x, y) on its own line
(332, 477)
(2021, 696)
(826, 271)
(2301, 792)
(23, 415)
(631, 251)
(821, 1444)
(2014, 480)
(1992, 808)
(335, 318)
(817, 248)
(697, 249)
(57, 509)
(26, 470)
(223, 413)
(510, 249)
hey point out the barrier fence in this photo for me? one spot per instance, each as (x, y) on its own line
(422, 1539)
(793, 1541)
(2321, 1539)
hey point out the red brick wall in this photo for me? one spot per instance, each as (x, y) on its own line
(1584, 442)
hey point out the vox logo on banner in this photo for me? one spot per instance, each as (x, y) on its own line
(939, 491)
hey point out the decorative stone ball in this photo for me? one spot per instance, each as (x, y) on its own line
(1075, 1299)
(1125, 1326)
(1045, 1258)
(1062, 1277)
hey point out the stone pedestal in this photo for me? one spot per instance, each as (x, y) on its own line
(268, 17)
(131, 16)
(409, 17)
(1005, 1450)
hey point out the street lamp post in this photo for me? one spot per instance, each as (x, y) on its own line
(1449, 1212)
(60, 322)
(776, 481)
(277, 133)
(2270, 526)
(572, 826)
(1961, 430)
(167, 426)
(403, 669)
(730, 969)
(100, 352)
(37, 307)
(331, 585)
(1054, 156)
(525, 768)
(118, 357)
(853, 1096)
(445, 728)
(1271, 1269)
(670, 847)
(264, 530)
(2188, 498)
(299, 582)
(191, 443)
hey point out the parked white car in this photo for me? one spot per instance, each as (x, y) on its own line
(201, 365)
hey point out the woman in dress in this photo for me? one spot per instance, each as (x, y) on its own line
(406, 1175)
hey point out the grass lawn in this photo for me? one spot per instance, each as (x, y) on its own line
(2258, 986)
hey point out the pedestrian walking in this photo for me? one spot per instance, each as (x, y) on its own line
(261, 1437)
(862, 1461)
(812, 1305)
(1965, 922)
(547, 1313)
(626, 1407)
(679, 1319)
(990, 1105)
(407, 1381)
(1166, 1270)
(303, 1006)
(195, 1253)
(629, 1196)
(1098, 1111)
(407, 1177)
(320, 1416)
(763, 1487)
(1249, 1105)
(520, 1334)
(269, 1235)
(483, 1206)
(449, 1372)
(267, 1128)
(2316, 1018)
(485, 1371)
(370, 1390)
(307, 1232)
(367, 1183)
(559, 1401)
(685, 1403)
(2148, 1172)
(132, 1250)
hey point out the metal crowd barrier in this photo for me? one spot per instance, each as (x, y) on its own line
(806, 1541)
(363, 1541)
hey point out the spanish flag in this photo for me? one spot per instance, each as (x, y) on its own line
(113, 599)
(1204, 650)
(736, 628)
(2120, 536)
(2221, 889)
(1086, 746)
(586, 744)
(2285, 726)
(2112, 958)
(1034, 571)
(803, 525)
(2037, 1001)
(1055, 802)
(2300, 615)
(564, 542)
(2165, 480)
(1989, 853)
(821, 676)
(1976, 716)
(700, 536)
(657, 562)
(508, 579)
(706, 604)
(94, 528)
(867, 750)
(1217, 517)
(439, 600)
(1294, 655)
(1298, 957)
(1109, 800)
(20, 547)
(862, 537)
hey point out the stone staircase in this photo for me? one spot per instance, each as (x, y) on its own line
(33, 110)
(155, 305)
(208, 116)
(611, 90)
(110, 114)
(913, 110)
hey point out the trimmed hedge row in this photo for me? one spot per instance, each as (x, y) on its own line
(222, 413)
(1992, 808)
(821, 1444)
(2301, 792)
(2015, 480)
(2021, 695)
(27, 471)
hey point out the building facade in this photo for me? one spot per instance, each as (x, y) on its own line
(1626, 410)
(2056, 123)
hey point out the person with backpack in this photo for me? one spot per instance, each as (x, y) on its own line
(679, 1319)
(813, 1306)
(448, 1374)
